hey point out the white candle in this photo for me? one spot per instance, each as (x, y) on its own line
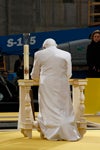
(26, 61)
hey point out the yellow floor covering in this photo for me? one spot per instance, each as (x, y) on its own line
(13, 116)
(93, 121)
(10, 116)
(93, 118)
(14, 140)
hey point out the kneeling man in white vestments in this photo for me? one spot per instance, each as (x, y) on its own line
(53, 68)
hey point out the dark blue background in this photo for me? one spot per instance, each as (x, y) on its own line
(61, 36)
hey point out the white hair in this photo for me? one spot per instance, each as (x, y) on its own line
(49, 42)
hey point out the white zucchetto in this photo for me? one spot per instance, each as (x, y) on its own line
(49, 42)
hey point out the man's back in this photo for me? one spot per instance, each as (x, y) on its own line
(54, 61)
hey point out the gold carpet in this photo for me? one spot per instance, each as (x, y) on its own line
(14, 140)
(10, 116)
(93, 121)
(14, 116)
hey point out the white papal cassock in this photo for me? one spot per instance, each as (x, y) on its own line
(56, 117)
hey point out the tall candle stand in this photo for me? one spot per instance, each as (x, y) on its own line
(26, 37)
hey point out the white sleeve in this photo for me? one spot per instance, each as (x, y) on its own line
(69, 66)
(35, 73)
